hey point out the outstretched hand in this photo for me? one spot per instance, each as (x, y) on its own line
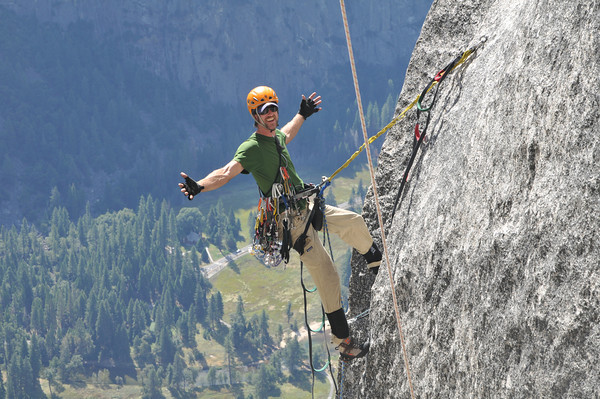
(309, 105)
(189, 188)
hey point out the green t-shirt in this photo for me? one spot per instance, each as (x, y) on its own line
(258, 155)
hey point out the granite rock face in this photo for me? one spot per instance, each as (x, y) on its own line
(495, 247)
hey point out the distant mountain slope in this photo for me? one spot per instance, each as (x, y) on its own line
(226, 47)
(75, 112)
(106, 102)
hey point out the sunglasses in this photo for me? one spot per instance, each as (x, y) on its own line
(272, 108)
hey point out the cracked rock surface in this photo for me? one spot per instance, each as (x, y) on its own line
(494, 249)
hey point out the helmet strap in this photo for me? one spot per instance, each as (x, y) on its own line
(260, 121)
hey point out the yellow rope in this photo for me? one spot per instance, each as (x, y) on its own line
(397, 119)
(372, 139)
(374, 185)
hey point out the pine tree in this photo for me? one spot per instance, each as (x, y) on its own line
(216, 309)
(178, 368)
(104, 330)
(35, 358)
(239, 316)
(192, 330)
(166, 347)
(230, 350)
(212, 224)
(200, 301)
(2, 389)
(13, 379)
(139, 319)
(37, 316)
(293, 357)
(266, 381)
(183, 327)
(265, 338)
(25, 287)
(151, 388)
(186, 285)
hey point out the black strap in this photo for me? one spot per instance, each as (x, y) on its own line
(278, 172)
(286, 242)
(301, 240)
(279, 147)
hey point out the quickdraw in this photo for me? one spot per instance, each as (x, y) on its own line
(272, 244)
(267, 243)
(459, 60)
(420, 132)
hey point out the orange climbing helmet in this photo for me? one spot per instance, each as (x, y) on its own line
(260, 95)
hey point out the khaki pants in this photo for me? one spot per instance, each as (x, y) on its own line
(351, 228)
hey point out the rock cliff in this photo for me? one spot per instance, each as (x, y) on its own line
(494, 249)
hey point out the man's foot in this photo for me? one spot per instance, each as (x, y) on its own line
(349, 350)
(373, 258)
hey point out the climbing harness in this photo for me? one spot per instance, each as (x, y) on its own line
(271, 246)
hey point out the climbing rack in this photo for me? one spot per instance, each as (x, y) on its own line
(266, 244)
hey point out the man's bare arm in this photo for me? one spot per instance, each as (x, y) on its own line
(215, 179)
(307, 108)
(292, 127)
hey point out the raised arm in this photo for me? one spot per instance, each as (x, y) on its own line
(292, 127)
(215, 179)
(308, 106)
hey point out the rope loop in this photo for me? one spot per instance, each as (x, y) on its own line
(305, 290)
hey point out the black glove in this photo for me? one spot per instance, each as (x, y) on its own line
(375, 270)
(192, 187)
(308, 107)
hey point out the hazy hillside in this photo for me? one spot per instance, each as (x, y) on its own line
(102, 105)
(226, 47)
(105, 101)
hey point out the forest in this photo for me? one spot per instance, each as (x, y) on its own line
(118, 296)
(100, 254)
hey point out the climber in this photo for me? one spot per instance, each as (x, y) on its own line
(265, 155)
